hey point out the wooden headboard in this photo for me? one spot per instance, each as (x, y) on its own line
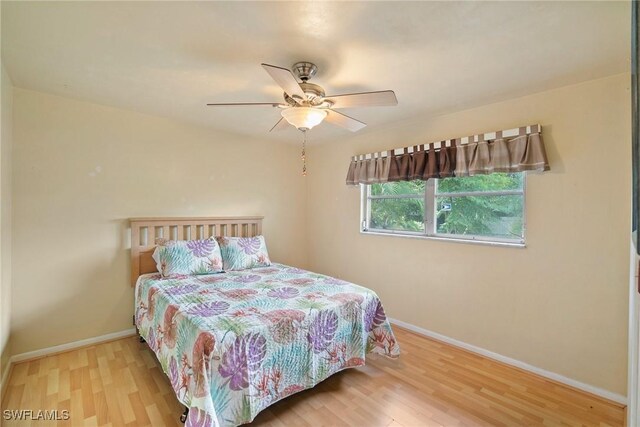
(144, 232)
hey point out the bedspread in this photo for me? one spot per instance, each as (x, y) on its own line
(234, 343)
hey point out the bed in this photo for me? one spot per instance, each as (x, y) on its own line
(236, 342)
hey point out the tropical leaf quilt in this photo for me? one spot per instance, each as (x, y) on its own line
(234, 343)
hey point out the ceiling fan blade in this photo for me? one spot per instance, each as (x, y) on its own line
(344, 121)
(242, 104)
(285, 80)
(281, 125)
(364, 99)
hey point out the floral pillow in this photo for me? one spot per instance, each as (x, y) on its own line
(186, 257)
(241, 253)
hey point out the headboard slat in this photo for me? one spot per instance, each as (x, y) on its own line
(200, 227)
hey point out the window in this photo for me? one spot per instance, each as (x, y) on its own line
(482, 207)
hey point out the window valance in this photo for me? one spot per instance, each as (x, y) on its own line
(514, 150)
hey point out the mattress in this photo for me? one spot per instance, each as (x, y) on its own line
(234, 343)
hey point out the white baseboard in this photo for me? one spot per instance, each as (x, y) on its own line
(70, 346)
(618, 398)
(5, 377)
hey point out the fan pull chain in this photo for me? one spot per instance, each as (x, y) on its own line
(304, 156)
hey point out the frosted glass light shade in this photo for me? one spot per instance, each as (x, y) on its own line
(304, 118)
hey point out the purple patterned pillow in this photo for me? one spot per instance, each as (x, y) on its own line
(185, 257)
(241, 253)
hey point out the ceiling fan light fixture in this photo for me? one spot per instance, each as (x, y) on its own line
(304, 118)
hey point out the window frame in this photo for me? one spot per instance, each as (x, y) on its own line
(430, 231)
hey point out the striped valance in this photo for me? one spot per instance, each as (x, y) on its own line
(514, 150)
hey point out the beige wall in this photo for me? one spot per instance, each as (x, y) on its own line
(80, 170)
(561, 303)
(6, 125)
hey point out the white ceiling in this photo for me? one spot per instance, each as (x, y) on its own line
(171, 58)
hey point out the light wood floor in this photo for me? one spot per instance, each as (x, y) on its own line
(121, 384)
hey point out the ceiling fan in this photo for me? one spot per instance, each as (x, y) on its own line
(306, 105)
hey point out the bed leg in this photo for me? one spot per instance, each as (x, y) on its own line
(138, 330)
(183, 417)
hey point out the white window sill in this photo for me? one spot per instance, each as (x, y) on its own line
(446, 239)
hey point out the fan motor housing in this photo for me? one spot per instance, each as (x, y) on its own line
(315, 94)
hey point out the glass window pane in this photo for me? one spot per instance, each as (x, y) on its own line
(491, 216)
(396, 188)
(491, 182)
(397, 214)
